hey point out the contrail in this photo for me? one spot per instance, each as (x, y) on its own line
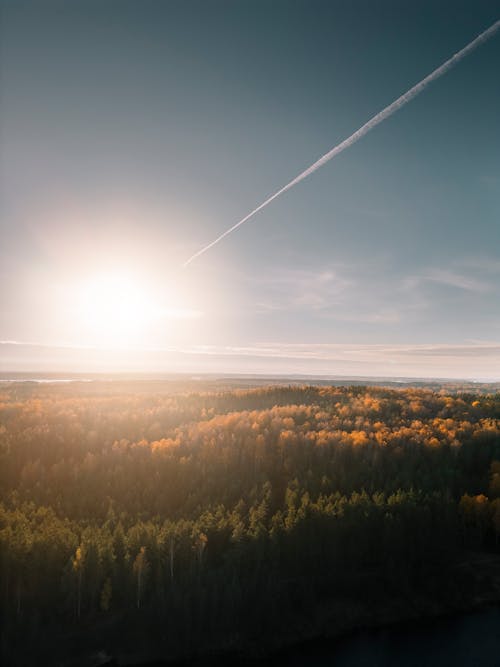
(364, 129)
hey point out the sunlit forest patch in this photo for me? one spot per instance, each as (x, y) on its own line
(196, 521)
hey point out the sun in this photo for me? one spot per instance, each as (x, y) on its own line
(116, 308)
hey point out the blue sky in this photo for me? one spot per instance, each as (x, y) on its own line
(133, 133)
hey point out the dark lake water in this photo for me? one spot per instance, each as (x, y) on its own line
(471, 640)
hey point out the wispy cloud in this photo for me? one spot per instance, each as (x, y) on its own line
(298, 350)
(303, 289)
(335, 351)
(479, 360)
(475, 360)
(448, 278)
(62, 345)
(381, 298)
(383, 316)
(342, 292)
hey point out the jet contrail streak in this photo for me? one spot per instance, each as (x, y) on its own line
(364, 129)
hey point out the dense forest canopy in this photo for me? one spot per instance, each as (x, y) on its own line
(201, 518)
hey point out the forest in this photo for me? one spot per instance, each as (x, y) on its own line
(194, 522)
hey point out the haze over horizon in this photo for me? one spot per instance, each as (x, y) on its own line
(133, 134)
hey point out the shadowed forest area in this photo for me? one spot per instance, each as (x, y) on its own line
(171, 523)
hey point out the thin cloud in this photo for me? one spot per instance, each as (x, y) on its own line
(335, 351)
(298, 350)
(448, 278)
(475, 360)
(304, 290)
(383, 316)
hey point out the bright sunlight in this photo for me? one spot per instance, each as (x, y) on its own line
(117, 307)
(120, 309)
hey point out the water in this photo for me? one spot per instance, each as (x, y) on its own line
(469, 640)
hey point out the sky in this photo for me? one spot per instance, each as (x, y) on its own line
(132, 133)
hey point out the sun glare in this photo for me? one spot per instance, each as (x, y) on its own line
(119, 309)
(116, 307)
